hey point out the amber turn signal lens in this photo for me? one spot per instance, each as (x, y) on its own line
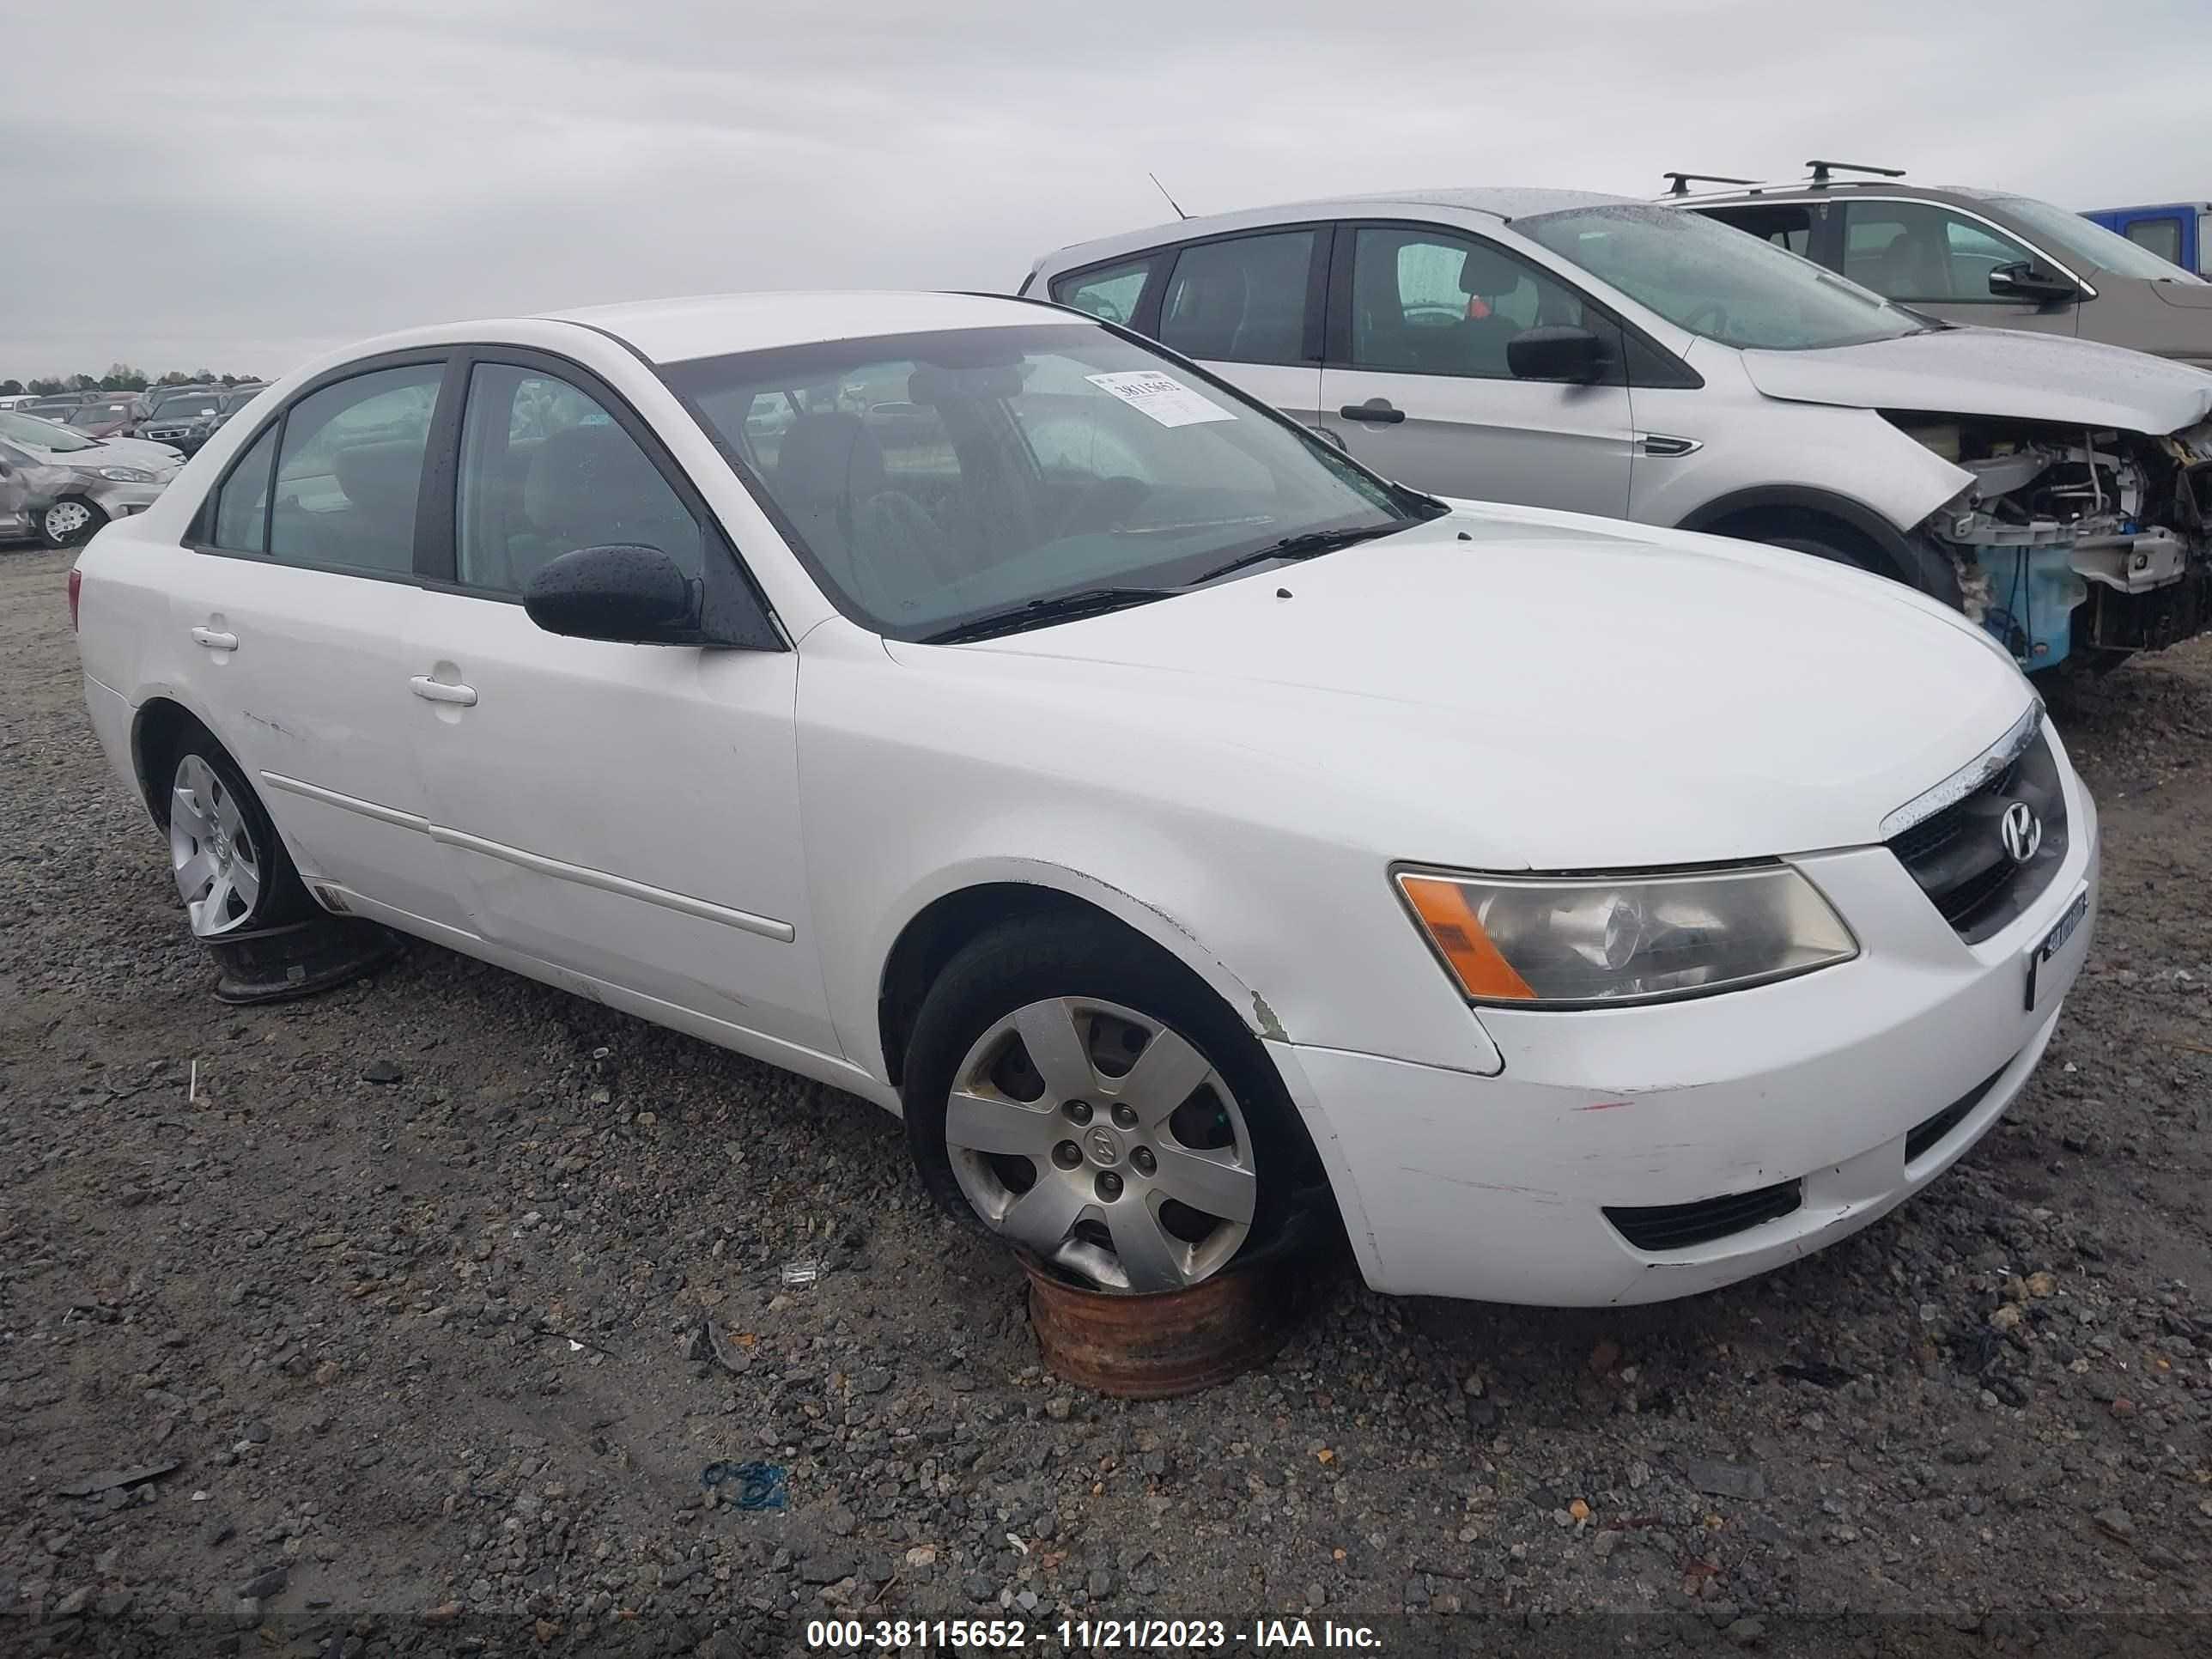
(1451, 924)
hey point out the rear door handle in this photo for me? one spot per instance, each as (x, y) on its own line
(1378, 410)
(432, 691)
(214, 639)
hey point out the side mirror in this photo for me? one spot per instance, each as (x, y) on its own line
(2024, 279)
(635, 595)
(1573, 355)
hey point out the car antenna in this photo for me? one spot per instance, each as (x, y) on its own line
(1679, 183)
(1822, 169)
(1163, 189)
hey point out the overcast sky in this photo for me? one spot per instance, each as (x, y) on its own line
(238, 185)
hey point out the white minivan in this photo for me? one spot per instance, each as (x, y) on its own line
(969, 704)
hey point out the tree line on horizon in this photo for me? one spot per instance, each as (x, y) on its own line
(120, 377)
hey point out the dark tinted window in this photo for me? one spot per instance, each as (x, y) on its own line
(545, 470)
(241, 519)
(1111, 291)
(1243, 300)
(1787, 225)
(351, 468)
(1429, 302)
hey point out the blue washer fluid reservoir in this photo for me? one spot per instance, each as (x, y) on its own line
(2034, 591)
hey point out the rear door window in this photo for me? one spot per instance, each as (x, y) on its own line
(350, 471)
(1787, 225)
(1111, 292)
(1243, 300)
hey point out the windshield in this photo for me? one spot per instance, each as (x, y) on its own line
(1715, 281)
(42, 434)
(101, 414)
(2082, 241)
(185, 409)
(933, 480)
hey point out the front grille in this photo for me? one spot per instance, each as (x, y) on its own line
(1930, 1131)
(1659, 1228)
(1959, 858)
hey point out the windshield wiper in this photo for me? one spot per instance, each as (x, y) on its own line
(1035, 613)
(1311, 545)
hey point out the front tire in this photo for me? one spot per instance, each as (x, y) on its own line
(69, 522)
(1076, 1093)
(232, 871)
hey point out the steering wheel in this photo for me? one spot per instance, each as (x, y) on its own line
(1712, 308)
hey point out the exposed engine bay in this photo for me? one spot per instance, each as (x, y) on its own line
(2072, 544)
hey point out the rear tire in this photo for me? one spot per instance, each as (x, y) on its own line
(232, 873)
(1076, 1093)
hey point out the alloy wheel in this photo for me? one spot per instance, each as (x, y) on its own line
(67, 520)
(1104, 1142)
(211, 853)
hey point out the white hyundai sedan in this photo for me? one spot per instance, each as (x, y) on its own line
(964, 702)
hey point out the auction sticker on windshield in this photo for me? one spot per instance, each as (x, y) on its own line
(1161, 397)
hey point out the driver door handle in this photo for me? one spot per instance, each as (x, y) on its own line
(214, 639)
(1380, 411)
(432, 691)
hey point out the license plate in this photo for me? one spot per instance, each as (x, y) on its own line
(2055, 941)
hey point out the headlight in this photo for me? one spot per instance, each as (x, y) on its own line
(1601, 941)
(126, 475)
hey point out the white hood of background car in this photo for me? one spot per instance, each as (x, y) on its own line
(1990, 371)
(1556, 692)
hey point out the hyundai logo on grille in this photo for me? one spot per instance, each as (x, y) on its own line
(2022, 831)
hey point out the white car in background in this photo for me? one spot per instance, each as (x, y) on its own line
(108, 478)
(968, 704)
(1562, 349)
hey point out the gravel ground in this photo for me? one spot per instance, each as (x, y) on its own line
(410, 1294)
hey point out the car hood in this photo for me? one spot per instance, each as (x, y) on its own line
(1509, 688)
(116, 451)
(1990, 371)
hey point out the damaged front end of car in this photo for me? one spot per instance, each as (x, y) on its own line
(2074, 545)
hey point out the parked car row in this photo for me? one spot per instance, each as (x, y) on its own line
(1976, 434)
(128, 414)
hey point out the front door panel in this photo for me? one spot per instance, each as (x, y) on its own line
(628, 811)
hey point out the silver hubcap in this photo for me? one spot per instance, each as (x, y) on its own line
(218, 872)
(1102, 1141)
(65, 519)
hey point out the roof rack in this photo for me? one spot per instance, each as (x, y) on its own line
(1822, 169)
(1678, 184)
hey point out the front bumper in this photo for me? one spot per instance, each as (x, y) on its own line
(1499, 1188)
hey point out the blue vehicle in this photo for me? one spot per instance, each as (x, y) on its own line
(2180, 232)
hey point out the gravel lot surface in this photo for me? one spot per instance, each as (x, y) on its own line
(407, 1302)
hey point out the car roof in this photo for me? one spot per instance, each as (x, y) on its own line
(1501, 203)
(715, 324)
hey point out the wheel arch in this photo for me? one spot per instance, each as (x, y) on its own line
(963, 904)
(1910, 558)
(159, 722)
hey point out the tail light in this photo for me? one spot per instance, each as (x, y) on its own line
(76, 591)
